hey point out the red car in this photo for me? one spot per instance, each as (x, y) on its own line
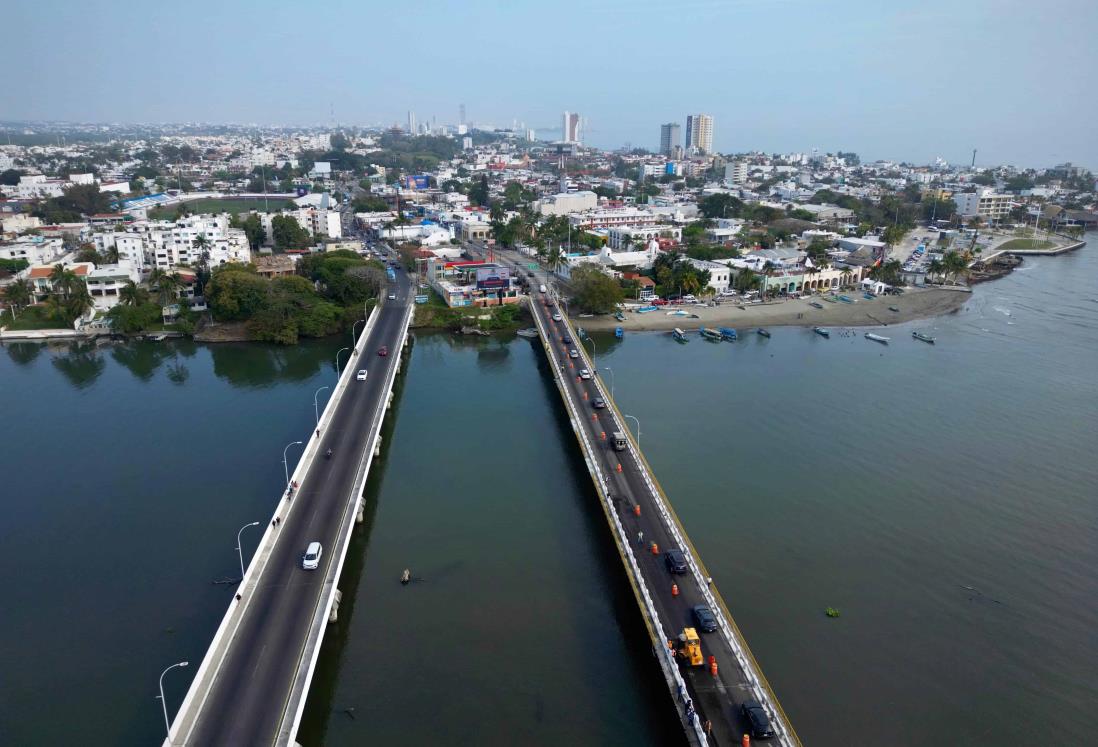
(659, 302)
(383, 351)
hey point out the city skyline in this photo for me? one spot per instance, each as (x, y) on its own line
(855, 78)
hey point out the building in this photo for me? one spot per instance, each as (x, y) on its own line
(35, 250)
(610, 217)
(462, 284)
(619, 238)
(735, 172)
(105, 283)
(699, 133)
(570, 126)
(720, 274)
(983, 203)
(42, 285)
(567, 202)
(275, 265)
(669, 138)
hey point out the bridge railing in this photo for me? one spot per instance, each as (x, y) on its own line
(666, 658)
(207, 672)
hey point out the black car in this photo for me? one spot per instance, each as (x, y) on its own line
(675, 560)
(598, 403)
(567, 340)
(757, 720)
(704, 618)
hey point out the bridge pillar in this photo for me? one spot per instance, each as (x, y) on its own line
(360, 515)
(377, 446)
(333, 615)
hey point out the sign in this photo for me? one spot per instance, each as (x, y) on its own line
(417, 181)
(421, 299)
(493, 277)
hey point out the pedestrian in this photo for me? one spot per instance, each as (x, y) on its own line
(274, 522)
(640, 538)
(708, 580)
(238, 597)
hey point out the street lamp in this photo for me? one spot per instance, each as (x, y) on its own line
(316, 407)
(594, 363)
(638, 427)
(337, 360)
(611, 380)
(239, 551)
(285, 464)
(167, 724)
(360, 321)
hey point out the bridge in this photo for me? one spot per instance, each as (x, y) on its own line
(252, 684)
(639, 515)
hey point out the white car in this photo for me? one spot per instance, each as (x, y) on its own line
(392, 297)
(585, 374)
(310, 561)
(361, 375)
(557, 318)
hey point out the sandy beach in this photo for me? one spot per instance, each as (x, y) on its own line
(916, 303)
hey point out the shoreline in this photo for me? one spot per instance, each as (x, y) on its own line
(914, 304)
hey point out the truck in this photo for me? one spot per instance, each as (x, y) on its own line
(541, 288)
(619, 441)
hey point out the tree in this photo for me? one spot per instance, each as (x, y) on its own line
(167, 288)
(131, 318)
(288, 233)
(86, 253)
(10, 177)
(369, 204)
(131, 294)
(887, 272)
(986, 179)
(235, 293)
(555, 259)
(593, 291)
(478, 193)
(252, 227)
(19, 293)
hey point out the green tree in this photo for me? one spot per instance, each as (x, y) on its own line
(10, 177)
(131, 294)
(288, 234)
(252, 227)
(19, 293)
(369, 204)
(235, 292)
(478, 193)
(593, 291)
(131, 318)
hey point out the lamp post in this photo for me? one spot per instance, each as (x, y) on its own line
(638, 427)
(239, 551)
(167, 724)
(337, 361)
(316, 406)
(611, 380)
(594, 363)
(285, 464)
(353, 326)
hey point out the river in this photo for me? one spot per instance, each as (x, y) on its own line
(944, 498)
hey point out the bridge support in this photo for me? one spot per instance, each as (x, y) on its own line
(333, 615)
(360, 514)
(377, 446)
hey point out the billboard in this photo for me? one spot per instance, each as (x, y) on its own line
(417, 181)
(493, 277)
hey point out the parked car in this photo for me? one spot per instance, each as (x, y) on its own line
(704, 618)
(757, 720)
(675, 560)
(383, 351)
(310, 561)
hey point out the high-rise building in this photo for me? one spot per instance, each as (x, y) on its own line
(570, 126)
(699, 133)
(461, 114)
(411, 123)
(669, 138)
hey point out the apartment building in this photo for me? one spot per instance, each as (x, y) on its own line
(984, 203)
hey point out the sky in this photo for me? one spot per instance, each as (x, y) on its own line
(884, 78)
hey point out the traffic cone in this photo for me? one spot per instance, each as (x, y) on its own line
(637, 510)
(619, 466)
(655, 549)
(713, 665)
(674, 590)
(746, 741)
(602, 435)
(585, 395)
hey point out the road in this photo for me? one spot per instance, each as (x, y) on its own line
(717, 699)
(246, 703)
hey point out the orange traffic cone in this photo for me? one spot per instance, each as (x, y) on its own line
(746, 741)
(585, 395)
(619, 466)
(655, 549)
(674, 590)
(713, 665)
(637, 510)
(602, 435)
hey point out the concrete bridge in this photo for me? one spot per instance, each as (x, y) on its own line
(708, 704)
(252, 684)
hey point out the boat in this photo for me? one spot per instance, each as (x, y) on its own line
(868, 296)
(924, 338)
(678, 312)
(761, 332)
(710, 334)
(817, 305)
(406, 576)
(679, 335)
(893, 308)
(646, 309)
(846, 299)
(619, 332)
(728, 333)
(528, 332)
(830, 299)
(876, 338)
(619, 316)
(822, 331)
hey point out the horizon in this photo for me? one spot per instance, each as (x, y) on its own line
(893, 84)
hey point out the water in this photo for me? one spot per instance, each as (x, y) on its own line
(944, 498)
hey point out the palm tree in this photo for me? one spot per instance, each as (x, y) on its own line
(167, 288)
(935, 267)
(19, 293)
(555, 259)
(63, 280)
(132, 294)
(79, 301)
(110, 256)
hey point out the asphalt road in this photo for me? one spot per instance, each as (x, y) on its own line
(716, 699)
(246, 704)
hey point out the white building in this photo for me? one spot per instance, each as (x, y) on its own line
(18, 222)
(735, 172)
(36, 250)
(321, 170)
(105, 283)
(699, 133)
(622, 237)
(720, 275)
(610, 217)
(567, 202)
(984, 203)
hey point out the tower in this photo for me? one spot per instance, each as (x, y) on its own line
(570, 127)
(699, 133)
(669, 138)
(461, 114)
(411, 123)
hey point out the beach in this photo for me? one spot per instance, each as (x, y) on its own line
(914, 303)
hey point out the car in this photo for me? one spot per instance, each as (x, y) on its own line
(310, 561)
(659, 302)
(573, 353)
(567, 339)
(598, 403)
(585, 374)
(757, 720)
(675, 560)
(704, 618)
(361, 375)
(392, 296)
(383, 351)
(558, 318)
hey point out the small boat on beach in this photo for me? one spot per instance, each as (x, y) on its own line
(646, 309)
(817, 305)
(877, 338)
(762, 332)
(893, 308)
(822, 331)
(728, 333)
(868, 296)
(619, 316)
(846, 299)
(619, 332)
(679, 335)
(710, 334)
(924, 338)
(830, 299)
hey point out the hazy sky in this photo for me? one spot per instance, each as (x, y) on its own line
(886, 78)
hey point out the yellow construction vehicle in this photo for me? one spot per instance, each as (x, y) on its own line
(690, 647)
